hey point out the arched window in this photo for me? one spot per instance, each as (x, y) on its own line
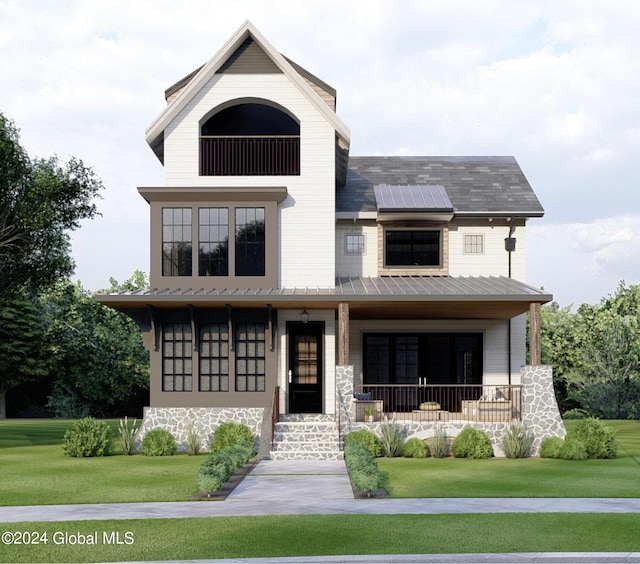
(250, 139)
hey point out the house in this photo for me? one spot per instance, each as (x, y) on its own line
(288, 276)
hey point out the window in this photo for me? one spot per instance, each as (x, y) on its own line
(473, 244)
(176, 357)
(404, 358)
(213, 241)
(250, 242)
(176, 242)
(250, 357)
(214, 357)
(354, 243)
(412, 248)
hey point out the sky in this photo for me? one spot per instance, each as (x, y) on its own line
(554, 83)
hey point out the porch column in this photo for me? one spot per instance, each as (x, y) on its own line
(534, 334)
(343, 334)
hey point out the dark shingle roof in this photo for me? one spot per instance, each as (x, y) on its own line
(475, 185)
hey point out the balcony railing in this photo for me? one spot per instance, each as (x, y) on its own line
(486, 404)
(250, 155)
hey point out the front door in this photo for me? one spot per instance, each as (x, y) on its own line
(305, 367)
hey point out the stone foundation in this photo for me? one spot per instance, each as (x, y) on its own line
(204, 420)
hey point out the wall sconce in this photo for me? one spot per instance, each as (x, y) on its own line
(304, 315)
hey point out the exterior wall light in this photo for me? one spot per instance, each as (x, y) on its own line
(304, 315)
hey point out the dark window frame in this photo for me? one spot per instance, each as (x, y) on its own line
(213, 241)
(214, 337)
(250, 366)
(408, 249)
(177, 353)
(177, 240)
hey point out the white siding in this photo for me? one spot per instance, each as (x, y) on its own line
(307, 215)
(494, 261)
(355, 264)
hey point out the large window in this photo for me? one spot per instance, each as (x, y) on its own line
(250, 357)
(176, 242)
(411, 358)
(214, 357)
(412, 248)
(177, 363)
(213, 241)
(250, 242)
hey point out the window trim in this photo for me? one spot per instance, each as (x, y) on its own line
(362, 245)
(482, 243)
(442, 269)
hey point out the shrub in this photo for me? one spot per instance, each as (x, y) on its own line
(127, 434)
(573, 449)
(471, 443)
(415, 448)
(230, 433)
(362, 466)
(217, 468)
(439, 448)
(550, 447)
(192, 441)
(366, 438)
(158, 442)
(598, 439)
(391, 439)
(516, 441)
(88, 437)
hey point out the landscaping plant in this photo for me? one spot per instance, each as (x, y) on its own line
(88, 437)
(550, 447)
(127, 434)
(219, 467)
(415, 448)
(158, 442)
(366, 438)
(192, 442)
(598, 438)
(517, 440)
(362, 466)
(230, 433)
(439, 448)
(471, 443)
(391, 439)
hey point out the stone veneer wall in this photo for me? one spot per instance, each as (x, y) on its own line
(344, 398)
(204, 420)
(540, 412)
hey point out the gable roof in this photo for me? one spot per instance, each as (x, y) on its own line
(475, 185)
(192, 84)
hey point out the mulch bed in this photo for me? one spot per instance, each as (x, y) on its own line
(226, 488)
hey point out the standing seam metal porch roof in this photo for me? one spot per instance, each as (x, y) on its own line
(390, 288)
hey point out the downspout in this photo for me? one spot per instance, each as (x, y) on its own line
(509, 246)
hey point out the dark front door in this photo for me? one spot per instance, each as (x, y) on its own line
(305, 367)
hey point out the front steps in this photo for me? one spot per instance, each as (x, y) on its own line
(308, 436)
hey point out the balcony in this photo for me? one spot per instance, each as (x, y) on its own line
(241, 155)
(425, 403)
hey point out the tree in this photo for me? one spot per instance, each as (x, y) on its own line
(21, 346)
(101, 365)
(41, 200)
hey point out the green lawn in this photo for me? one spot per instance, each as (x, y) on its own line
(35, 471)
(529, 477)
(308, 535)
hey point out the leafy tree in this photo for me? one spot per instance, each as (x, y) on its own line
(41, 200)
(101, 366)
(20, 345)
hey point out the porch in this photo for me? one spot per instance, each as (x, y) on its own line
(438, 403)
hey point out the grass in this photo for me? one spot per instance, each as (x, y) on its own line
(56, 478)
(308, 535)
(528, 477)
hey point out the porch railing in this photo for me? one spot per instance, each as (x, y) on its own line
(481, 403)
(250, 155)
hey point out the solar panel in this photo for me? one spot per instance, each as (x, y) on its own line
(426, 197)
